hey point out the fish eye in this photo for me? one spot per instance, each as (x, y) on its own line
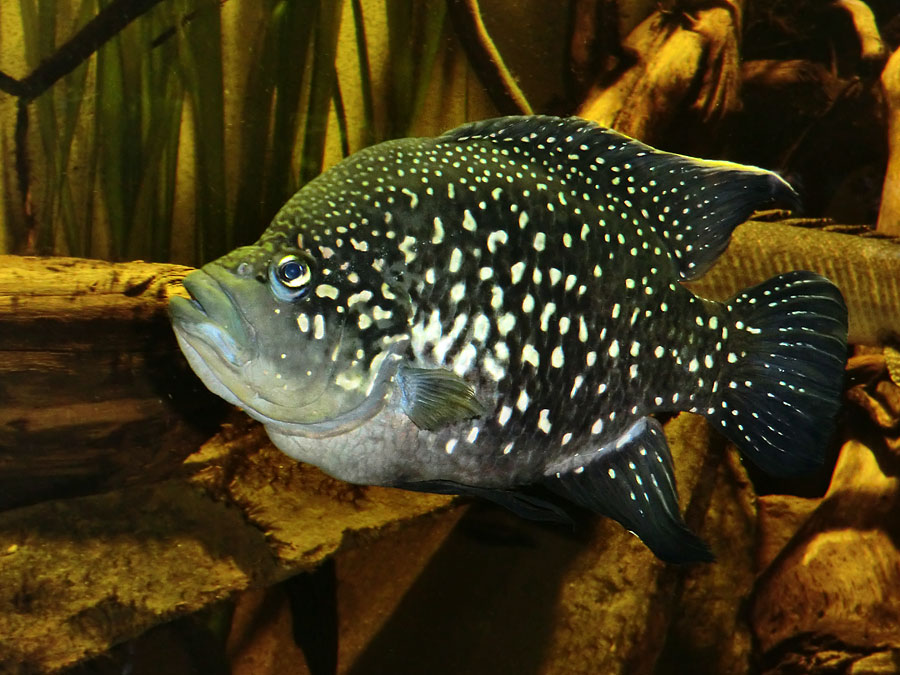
(293, 275)
(292, 272)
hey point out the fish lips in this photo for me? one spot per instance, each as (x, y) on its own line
(212, 317)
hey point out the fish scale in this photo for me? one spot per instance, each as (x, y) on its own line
(501, 307)
(584, 306)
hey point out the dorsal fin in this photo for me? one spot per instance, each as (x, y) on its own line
(700, 202)
(692, 204)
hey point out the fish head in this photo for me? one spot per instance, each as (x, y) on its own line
(287, 335)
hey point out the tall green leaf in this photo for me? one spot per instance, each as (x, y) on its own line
(321, 86)
(293, 37)
(200, 61)
(415, 31)
(255, 127)
(365, 74)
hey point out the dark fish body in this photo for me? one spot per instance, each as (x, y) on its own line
(501, 306)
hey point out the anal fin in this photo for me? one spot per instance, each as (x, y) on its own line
(631, 480)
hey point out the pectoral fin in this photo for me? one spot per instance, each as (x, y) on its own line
(434, 397)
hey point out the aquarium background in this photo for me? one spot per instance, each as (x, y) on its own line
(172, 131)
(175, 137)
(180, 136)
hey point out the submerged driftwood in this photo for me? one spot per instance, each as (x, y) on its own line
(80, 575)
(672, 63)
(864, 266)
(95, 394)
(889, 211)
(828, 596)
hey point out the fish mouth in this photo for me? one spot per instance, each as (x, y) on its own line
(205, 327)
(219, 344)
(211, 318)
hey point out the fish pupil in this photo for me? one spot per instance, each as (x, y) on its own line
(291, 271)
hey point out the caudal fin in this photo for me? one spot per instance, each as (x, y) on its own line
(781, 385)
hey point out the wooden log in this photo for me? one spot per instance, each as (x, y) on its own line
(372, 583)
(831, 596)
(889, 211)
(80, 575)
(828, 595)
(864, 268)
(871, 46)
(95, 393)
(681, 65)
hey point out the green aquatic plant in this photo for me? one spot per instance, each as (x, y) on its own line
(365, 74)
(137, 115)
(143, 96)
(415, 31)
(200, 66)
(287, 90)
(321, 89)
(94, 187)
(62, 203)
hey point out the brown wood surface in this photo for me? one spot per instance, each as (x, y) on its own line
(675, 66)
(78, 576)
(94, 392)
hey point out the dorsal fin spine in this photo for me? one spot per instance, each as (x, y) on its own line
(692, 204)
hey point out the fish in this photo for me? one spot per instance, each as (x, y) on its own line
(864, 265)
(499, 312)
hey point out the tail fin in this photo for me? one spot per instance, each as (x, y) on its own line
(781, 384)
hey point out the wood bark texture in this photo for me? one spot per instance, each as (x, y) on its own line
(679, 62)
(828, 596)
(78, 576)
(95, 392)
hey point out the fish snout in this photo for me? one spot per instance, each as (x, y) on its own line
(211, 317)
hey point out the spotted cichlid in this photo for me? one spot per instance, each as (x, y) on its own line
(501, 307)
